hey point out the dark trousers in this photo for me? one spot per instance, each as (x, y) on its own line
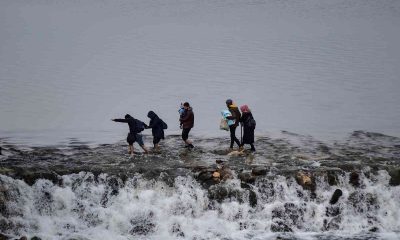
(232, 129)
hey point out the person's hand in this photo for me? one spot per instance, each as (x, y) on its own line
(112, 119)
(180, 126)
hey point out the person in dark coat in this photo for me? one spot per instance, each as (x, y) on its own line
(236, 117)
(157, 128)
(248, 127)
(135, 127)
(187, 122)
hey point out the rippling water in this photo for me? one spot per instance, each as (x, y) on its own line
(323, 68)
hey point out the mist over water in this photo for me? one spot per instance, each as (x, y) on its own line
(323, 68)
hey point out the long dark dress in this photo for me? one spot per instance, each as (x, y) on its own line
(248, 132)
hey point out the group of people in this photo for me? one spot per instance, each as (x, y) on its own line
(186, 119)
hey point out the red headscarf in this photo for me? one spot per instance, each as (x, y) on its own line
(245, 108)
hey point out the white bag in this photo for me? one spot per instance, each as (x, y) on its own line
(223, 125)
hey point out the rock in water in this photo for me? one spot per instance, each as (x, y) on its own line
(303, 179)
(3, 237)
(236, 153)
(354, 179)
(335, 197)
(216, 175)
(259, 171)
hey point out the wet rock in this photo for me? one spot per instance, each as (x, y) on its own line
(306, 181)
(23, 238)
(259, 171)
(280, 226)
(374, 229)
(335, 197)
(226, 173)
(394, 177)
(354, 179)
(332, 179)
(247, 177)
(0, 151)
(236, 153)
(205, 175)
(36, 238)
(4, 237)
(216, 175)
(252, 198)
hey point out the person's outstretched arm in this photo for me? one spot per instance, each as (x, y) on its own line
(120, 120)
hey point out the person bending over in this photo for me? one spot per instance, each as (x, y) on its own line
(135, 127)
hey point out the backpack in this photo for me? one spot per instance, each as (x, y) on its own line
(164, 125)
(251, 123)
(139, 126)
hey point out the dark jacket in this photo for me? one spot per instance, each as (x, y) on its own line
(156, 125)
(187, 120)
(248, 132)
(235, 114)
(132, 123)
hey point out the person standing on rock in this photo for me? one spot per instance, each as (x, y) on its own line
(235, 117)
(157, 128)
(186, 123)
(135, 127)
(249, 124)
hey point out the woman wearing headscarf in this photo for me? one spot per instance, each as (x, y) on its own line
(157, 128)
(249, 124)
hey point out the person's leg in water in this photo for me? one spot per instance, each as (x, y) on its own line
(139, 140)
(185, 136)
(130, 150)
(156, 142)
(130, 139)
(232, 129)
(253, 149)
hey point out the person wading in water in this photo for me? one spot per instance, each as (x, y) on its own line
(236, 117)
(186, 123)
(135, 127)
(249, 124)
(157, 128)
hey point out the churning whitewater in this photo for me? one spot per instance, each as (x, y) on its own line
(311, 190)
(321, 78)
